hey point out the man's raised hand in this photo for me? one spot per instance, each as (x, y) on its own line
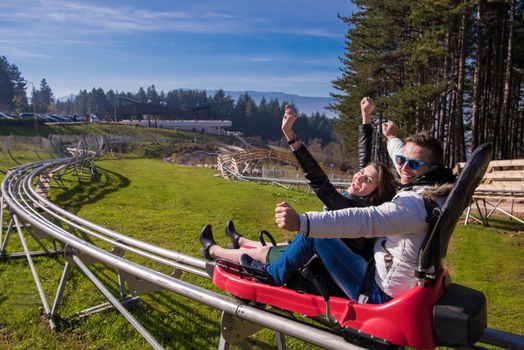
(389, 129)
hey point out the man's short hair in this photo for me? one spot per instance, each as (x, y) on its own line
(426, 140)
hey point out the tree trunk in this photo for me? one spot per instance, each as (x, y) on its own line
(459, 143)
(442, 117)
(507, 84)
(477, 77)
(497, 86)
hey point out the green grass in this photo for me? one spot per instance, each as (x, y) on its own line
(167, 205)
(149, 200)
(492, 260)
(34, 128)
(141, 142)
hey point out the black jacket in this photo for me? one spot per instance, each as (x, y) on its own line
(328, 194)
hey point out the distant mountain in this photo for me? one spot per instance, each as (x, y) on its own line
(305, 104)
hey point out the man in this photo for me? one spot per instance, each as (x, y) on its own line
(400, 225)
(415, 172)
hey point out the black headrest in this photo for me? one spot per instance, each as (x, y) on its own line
(457, 201)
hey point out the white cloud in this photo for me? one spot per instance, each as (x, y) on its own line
(147, 14)
(217, 15)
(83, 16)
(284, 58)
(15, 53)
(259, 59)
(128, 40)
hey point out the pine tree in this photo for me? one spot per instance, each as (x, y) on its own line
(451, 67)
(12, 87)
(43, 97)
(141, 95)
(152, 95)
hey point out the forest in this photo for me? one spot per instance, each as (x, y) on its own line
(452, 67)
(252, 119)
(258, 120)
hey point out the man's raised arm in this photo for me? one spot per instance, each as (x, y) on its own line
(394, 143)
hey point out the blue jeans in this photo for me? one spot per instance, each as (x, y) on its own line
(345, 268)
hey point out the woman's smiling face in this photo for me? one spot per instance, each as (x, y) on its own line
(364, 182)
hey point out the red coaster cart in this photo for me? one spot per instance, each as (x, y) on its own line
(437, 312)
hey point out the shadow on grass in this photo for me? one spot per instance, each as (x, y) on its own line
(504, 223)
(90, 192)
(187, 327)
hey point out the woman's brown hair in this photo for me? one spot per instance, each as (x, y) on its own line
(386, 189)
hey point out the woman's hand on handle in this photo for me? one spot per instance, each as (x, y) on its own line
(286, 217)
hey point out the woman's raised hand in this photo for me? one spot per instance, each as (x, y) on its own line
(289, 118)
(367, 105)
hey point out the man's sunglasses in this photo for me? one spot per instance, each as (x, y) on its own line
(413, 164)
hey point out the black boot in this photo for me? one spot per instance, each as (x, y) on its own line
(206, 240)
(233, 235)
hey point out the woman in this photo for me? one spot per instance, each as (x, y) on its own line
(372, 185)
(359, 194)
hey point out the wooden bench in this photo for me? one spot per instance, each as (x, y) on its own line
(501, 189)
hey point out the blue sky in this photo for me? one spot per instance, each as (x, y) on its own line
(267, 45)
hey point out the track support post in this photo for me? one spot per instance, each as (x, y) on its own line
(234, 330)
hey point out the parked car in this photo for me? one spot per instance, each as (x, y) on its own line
(27, 115)
(5, 116)
(37, 116)
(47, 117)
(60, 118)
(56, 118)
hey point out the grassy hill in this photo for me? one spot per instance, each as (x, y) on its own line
(34, 128)
(137, 142)
(166, 204)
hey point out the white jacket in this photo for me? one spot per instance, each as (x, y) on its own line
(400, 225)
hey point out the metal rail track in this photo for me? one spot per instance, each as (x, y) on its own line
(35, 216)
(234, 164)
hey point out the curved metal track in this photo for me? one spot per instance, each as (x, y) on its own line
(35, 216)
(242, 164)
(40, 218)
